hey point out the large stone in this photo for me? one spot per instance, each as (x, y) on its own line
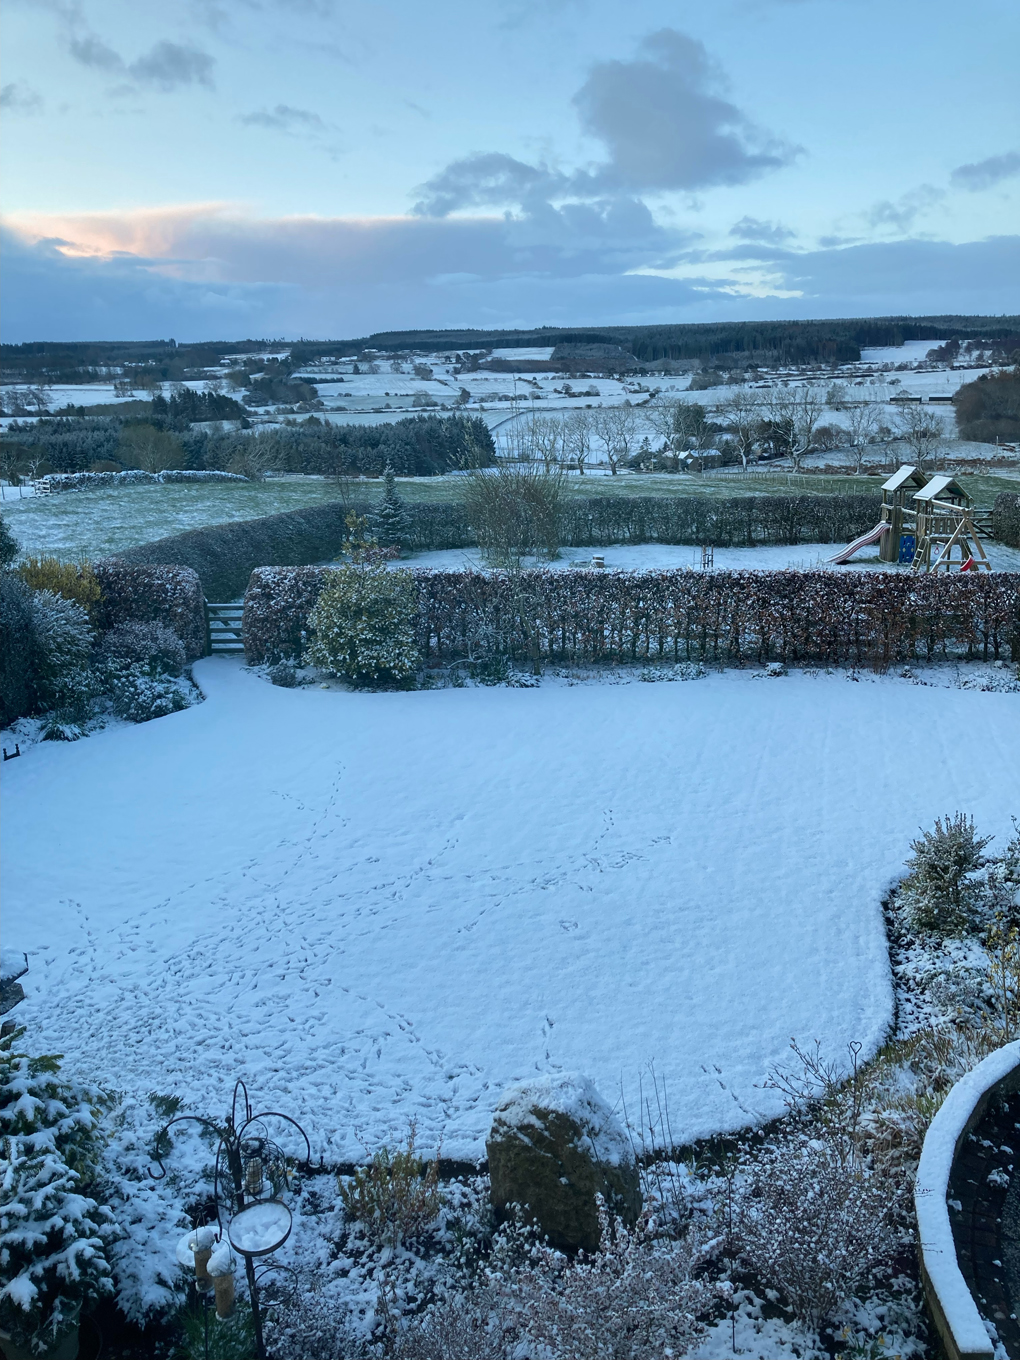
(555, 1144)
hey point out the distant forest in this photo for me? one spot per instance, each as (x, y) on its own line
(726, 344)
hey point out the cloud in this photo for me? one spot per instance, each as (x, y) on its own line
(210, 271)
(904, 212)
(283, 118)
(666, 124)
(662, 120)
(986, 174)
(18, 98)
(166, 66)
(753, 229)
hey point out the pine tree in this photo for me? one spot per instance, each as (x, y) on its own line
(52, 1237)
(390, 520)
(941, 890)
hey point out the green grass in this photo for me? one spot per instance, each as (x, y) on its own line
(97, 523)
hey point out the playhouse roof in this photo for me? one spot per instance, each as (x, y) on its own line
(906, 473)
(941, 487)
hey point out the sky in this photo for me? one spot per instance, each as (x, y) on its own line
(219, 169)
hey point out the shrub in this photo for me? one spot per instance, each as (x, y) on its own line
(52, 1236)
(941, 891)
(396, 1196)
(814, 1223)
(1006, 518)
(151, 646)
(16, 648)
(8, 544)
(364, 625)
(163, 594)
(515, 513)
(140, 696)
(283, 674)
(62, 637)
(74, 581)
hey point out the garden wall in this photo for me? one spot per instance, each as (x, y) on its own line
(224, 555)
(166, 594)
(720, 617)
(1006, 518)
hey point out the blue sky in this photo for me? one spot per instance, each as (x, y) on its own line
(217, 168)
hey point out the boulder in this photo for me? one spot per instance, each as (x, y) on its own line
(555, 1144)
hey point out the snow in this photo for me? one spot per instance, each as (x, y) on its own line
(260, 1228)
(935, 1232)
(379, 907)
(574, 1095)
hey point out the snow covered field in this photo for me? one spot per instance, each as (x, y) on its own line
(382, 906)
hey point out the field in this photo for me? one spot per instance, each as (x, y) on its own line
(97, 523)
(378, 907)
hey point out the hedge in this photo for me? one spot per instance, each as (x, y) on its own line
(721, 617)
(166, 594)
(1006, 518)
(224, 555)
(92, 481)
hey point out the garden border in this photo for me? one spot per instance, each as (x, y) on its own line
(952, 1305)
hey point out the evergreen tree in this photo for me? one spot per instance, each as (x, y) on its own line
(52, 1237)
(390, 520)
(941, 890)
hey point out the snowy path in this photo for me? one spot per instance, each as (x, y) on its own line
(379, 906)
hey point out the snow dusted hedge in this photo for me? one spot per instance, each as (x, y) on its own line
(953, 1308)
(722, 617)
(1006, 518)
(164, 594)
(224, 555)
(90, 481)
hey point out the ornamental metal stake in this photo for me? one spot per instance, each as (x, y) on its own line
(252, 1159)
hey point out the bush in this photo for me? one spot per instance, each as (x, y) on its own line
(146, 594)
(152, 646)
(941, 891)
(814, 1223)
(1006, 518)
(396, 1196)
(73, 581)
(988, 409)
(364, 625)
(62, 638)
(8, 544)
(515, 513)
(140, 696)
(283, 674)
(16, 649)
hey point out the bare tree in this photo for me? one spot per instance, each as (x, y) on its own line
(794, 413)
(682, 424)
(742, 416)
(924, 434)
(613, 427)
(861, 428)
(577, 438)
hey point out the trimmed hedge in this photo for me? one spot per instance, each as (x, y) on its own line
(224, 555)
(721, 617)
(163, 594)
(1006, 518)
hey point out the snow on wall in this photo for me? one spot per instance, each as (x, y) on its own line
(938, 1250)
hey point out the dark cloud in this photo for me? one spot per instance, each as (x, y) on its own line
(166, 66)
(283, 118)
(18, 98)
(487, 179)
(986, 174)
(753, 229)
(666, 124)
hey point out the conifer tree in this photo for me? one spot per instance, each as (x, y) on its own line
(390, 520)
(942, 890)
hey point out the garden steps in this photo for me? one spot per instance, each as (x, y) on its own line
(223, 626)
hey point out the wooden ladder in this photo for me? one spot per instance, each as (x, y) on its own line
(223, 629)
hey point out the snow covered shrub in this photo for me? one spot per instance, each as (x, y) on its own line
(52, 1237)
(814, 1223)
(140, 696)
(62, 647)
(364, 625)
(16, 648)
(305, 1322)
(169, 595)
(515, 513)
(8, 544)
(283, 674)
(152, 646)
(396, 1196)
(941, 891)
(74, 581)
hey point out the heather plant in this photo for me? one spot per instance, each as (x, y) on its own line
(396, 1196)
(364, 625)
(942, 890)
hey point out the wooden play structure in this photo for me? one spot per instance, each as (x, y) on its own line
(926, 523)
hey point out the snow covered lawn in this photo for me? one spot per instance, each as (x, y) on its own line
(379, 906)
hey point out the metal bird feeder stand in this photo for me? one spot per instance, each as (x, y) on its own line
(251, 1173)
